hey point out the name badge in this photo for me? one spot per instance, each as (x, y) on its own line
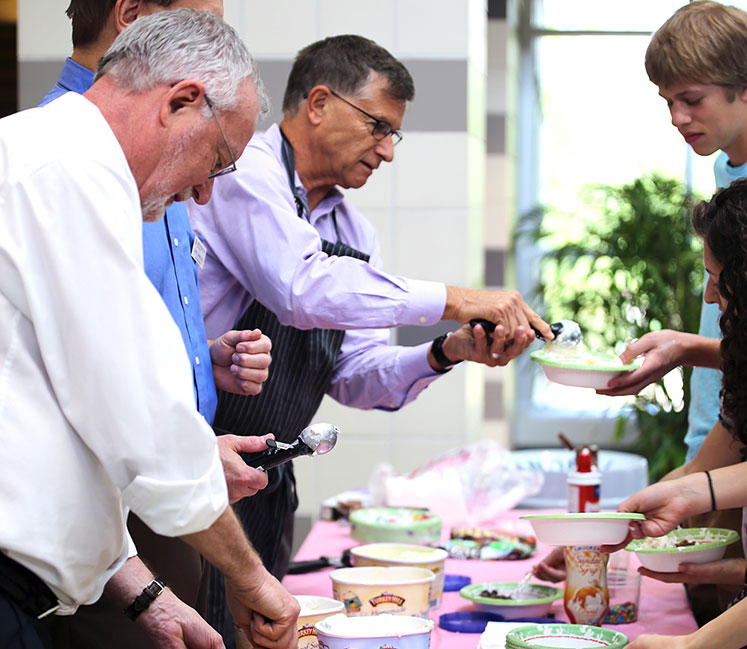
(199, 250)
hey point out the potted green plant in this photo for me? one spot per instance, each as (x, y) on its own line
(637, 267)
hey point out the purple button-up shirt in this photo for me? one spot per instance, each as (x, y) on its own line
(258, 248)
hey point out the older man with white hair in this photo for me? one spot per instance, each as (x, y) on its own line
(95, 395)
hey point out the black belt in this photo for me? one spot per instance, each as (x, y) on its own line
(26, 589)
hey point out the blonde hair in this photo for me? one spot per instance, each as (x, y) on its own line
(702, 42)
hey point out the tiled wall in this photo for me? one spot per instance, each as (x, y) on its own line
(429, 206)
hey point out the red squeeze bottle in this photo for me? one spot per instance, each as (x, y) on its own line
(583, 484)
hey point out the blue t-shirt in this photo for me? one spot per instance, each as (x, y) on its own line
(705, 384)
(167, 253)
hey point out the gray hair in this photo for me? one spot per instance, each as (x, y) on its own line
(169, 46)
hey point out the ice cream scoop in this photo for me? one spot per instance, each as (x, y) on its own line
(567, 332)
(316, 439)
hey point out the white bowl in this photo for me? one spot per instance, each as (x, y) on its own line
(535, 600)
(581, 369)
(710, 545)
(599, 528)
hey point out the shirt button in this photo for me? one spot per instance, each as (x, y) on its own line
(391, 404)
(422, 319)
(197, 360)
(186, 300)
(176, 241)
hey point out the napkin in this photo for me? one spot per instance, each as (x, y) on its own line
(494, 636)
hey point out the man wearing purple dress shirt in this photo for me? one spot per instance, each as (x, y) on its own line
(288, 254)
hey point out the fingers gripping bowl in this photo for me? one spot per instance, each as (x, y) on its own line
(582, 369)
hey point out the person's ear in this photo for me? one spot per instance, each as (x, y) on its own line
(184, 99)
(316, 103)
(125, 13)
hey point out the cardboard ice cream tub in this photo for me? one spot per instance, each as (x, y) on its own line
(378, 632)
(314, 609)
(405, 554)
(373, 590)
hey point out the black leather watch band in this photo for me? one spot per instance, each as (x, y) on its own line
(144, 599)
(438, 353)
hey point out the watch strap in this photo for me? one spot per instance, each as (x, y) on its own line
(144, 599)
(438, 354)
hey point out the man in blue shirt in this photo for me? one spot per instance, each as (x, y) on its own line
(237, 361)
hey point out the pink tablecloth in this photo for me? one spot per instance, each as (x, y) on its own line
(663, 607)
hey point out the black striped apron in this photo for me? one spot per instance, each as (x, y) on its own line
(299, 376)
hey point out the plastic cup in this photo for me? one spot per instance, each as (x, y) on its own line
(625, 591)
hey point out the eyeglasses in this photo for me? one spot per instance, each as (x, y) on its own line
(232, 166)
(380, 128)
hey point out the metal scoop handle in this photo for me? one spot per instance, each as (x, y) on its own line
(279, 453)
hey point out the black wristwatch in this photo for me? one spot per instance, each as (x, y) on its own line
(144, 599)
(438, 353)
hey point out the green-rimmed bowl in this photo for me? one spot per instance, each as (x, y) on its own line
(581, 369)
(710, 545)
(569, 636)
(535, 599)
(598, 528)
(395, 525)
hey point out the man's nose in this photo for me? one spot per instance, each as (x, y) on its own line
(385, 149)
(202, 193)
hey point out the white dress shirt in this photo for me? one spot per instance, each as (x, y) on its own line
(97, 409)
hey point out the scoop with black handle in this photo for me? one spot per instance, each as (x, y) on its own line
(316, 439)
(567, 332)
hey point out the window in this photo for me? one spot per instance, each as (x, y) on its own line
(588, 115)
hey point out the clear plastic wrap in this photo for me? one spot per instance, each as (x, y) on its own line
(467, 486)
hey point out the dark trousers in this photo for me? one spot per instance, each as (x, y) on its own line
(104, 625)
(708, 601)
(19, 630)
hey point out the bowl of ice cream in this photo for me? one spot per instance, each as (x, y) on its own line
(692, 545)
(534, 600)
(314, 609)
(405, 554)
(581, 368)
(379, 632)
(373, 590)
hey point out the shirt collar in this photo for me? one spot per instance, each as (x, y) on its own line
(75, 77)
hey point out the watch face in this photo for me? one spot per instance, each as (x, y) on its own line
(154, 588)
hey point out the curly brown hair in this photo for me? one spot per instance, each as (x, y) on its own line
(722, 223)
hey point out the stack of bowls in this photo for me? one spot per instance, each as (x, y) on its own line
(406, 555)
(566, 636)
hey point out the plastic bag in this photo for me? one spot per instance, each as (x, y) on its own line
(468, 486)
